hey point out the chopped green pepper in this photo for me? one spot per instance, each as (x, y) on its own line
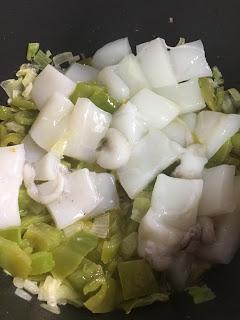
(42, 262)
(221, 155)
(13, 234)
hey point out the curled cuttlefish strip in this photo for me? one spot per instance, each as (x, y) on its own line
(33, 190)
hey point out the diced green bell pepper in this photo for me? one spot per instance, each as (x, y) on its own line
(42, 262)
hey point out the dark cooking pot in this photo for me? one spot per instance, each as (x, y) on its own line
(83, 26)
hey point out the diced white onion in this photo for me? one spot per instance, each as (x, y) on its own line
(31, 286)
(111, 53)
(52, 121)
(49, 81)
(218, 191)
(192, 163)
(79, 198)
(151, 155)
(117, 88)
(107, 193)
(52, 309)
(18, 282)
(80, 73)
(131, 73)
(155, 110)
(128, 121)
(178, 131)
(189, 61)
(11, 175)
(115, 152)
(32, 151)
(182, 212)
(190, 119)
(47, 167)
(215, 128)
(155, 62)
(23, 294)
(186, 95)
(88, 126)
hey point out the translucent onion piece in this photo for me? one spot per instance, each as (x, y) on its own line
(115, 152)
(107, 192)
(190, 119)
(151, 155)
(80, 73)
(32, 151)
(44, 193)
(155, 110)
(214, 129)
(218, 191)
(182, 212)
(79, 198)
(128, 121)
(50, 80)
(186, 95)
(131, 73)
(192, 163)
(88, 126)
(178, 131)
(189, 61)
(117, 88)
(11, 175)
(52, 121)
(155, 62)
(47, 167)
(111, 53)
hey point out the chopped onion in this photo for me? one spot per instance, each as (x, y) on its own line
(23, 294)
(79, 73)
(214, 129)
(79, 198)
(178, 131)
(107, 192)
(52, 309)
(47, 167)
(31, 286)
(32, 151)
(50, 80)
(11, 175)
(182, 212)
(186, 95)
(88, 126)
(218, 191)
(131, 73)
(52, 121)
(115, 151)
(190, 119)
(128, 121)
(189, 61)
(111, 53)
(18, 282)
(151, 155)
(155, 62)
(62, 58)
(117, 88)
(155, 110)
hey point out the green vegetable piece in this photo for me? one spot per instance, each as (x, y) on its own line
(235, 95)
(26, 246)
(42, 59)
(129, 245)
(3, 131)
(141, 204)
(14, 259)
(110, 248)
(236, 144)
(169, 170)
(12, 234)
(32, 49)
(29, 220)
(85, 273)
(227, 104)
(128, 306)
(25, 118)
(217, 76)
(221, 155)
(23, 104)
(69, 254)
(105, 299)
(137, 279)
(28, 205)
(43, 237)
(231, 160)
(11, 139)
(42, 262)
(208, 93)
(96, 93)
(6, 113)
(94, 285)
(201, 294)
(104, 101)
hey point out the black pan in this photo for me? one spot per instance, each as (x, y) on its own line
(83, 26)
